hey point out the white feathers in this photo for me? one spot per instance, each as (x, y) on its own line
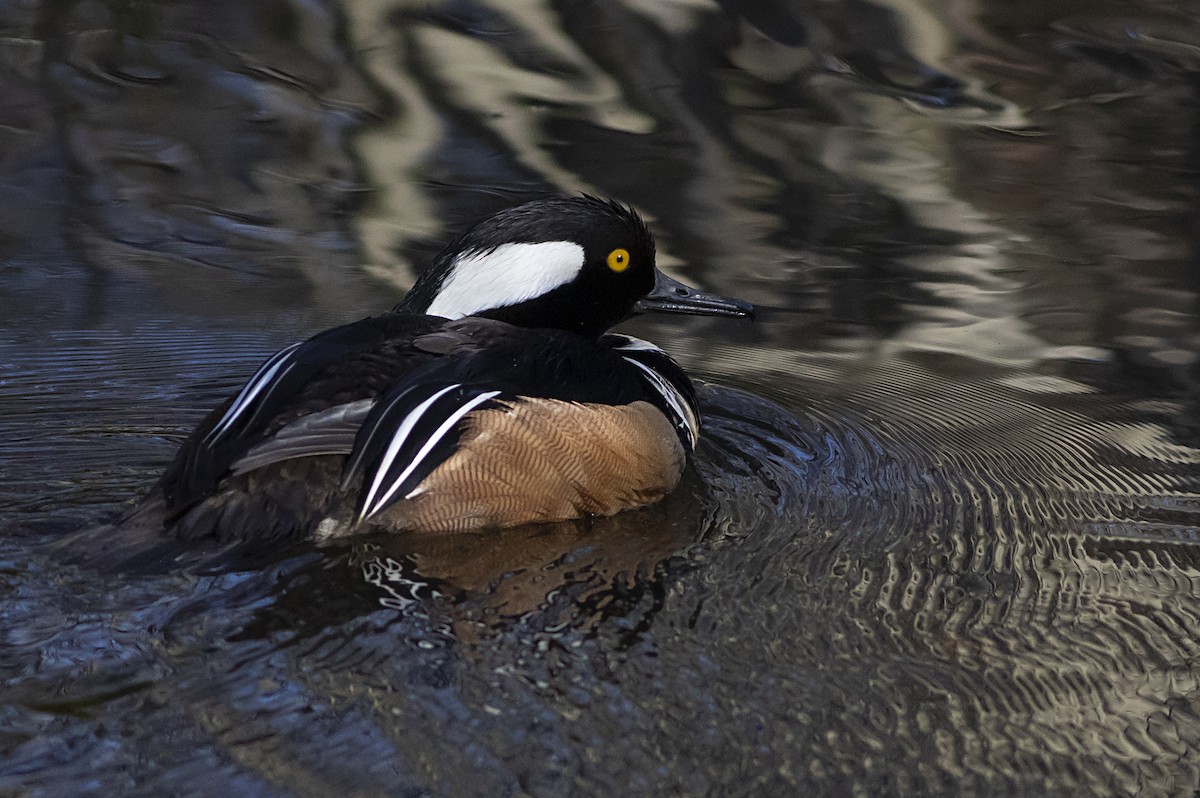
(675, 400)
(506, 275)
(265, 375)
(398, 439)
(372, 504)
(636, 345)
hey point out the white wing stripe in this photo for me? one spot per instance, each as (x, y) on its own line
(429, 444)
(261, 379)
(672, 396)
(398, 438)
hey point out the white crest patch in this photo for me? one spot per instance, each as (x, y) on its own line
(506, 275)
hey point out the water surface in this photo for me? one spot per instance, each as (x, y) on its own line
(942, 535)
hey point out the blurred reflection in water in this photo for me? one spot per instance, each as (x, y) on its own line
(941, 537)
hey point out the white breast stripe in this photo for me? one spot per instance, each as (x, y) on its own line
(398, 438)
(261, 379)
(674, 399)
(438, 434)
(506, 275)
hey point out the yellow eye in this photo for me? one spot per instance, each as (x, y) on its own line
(618, 260)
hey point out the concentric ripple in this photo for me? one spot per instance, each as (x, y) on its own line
(942, 533)
(907, 582)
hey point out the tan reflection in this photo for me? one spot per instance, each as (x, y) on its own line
(504, 574)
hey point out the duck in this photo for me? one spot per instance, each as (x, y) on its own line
(492, 396)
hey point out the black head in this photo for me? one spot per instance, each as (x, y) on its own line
(572, 263)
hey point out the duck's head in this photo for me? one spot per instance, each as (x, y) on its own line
(572, 263)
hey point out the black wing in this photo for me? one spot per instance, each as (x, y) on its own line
(416, 427)
(408, 434)
(390, 444)
(301, 379)
(390, 393)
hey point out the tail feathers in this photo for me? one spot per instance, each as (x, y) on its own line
(138, 543)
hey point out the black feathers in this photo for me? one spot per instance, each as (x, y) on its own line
(390, 392)
(334, 367)
(534, 287)
(595, 299)
(409, 433)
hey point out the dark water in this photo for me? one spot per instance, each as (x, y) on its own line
(943, 534)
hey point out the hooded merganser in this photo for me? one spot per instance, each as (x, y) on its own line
(491, 396)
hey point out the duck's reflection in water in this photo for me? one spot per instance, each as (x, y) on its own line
(593, 566)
